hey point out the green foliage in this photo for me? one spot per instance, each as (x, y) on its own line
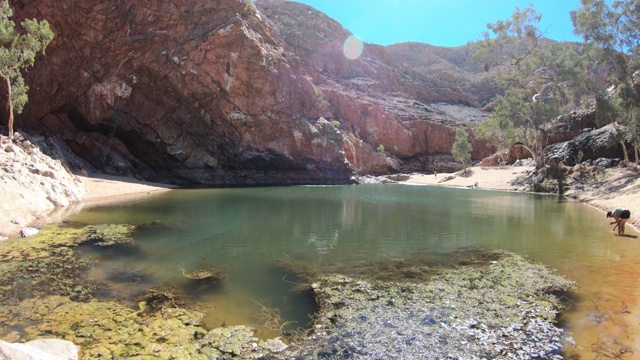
(494, 131)
(17, 52)
(461, 149)
(579, 157)
(540, 188)
(540, 78)
(380, 148)
(251, 6)
(611, 31)
(608, 109)
(335, 123)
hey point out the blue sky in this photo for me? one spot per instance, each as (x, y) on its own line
(440, 22)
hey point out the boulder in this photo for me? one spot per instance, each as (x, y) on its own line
(590, 145)
(40, 349)
(570, 125)
(32, 184)
(28, 232)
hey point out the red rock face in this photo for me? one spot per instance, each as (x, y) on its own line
(379, 99)
(206, 91)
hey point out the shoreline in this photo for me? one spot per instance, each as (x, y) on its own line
(104, 190)
(27, 208)
(618, 187)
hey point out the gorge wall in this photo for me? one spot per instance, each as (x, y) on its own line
(222, 93)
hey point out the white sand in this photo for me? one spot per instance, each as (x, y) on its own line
(485, 178)
(106, 189)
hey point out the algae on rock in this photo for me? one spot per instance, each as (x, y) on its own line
(505, 307)
(110, 234)
(44, 292)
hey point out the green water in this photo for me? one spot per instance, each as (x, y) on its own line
(245, 230)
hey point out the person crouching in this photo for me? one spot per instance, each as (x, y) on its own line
(620, 216)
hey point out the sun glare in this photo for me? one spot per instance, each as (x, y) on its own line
(352, 47)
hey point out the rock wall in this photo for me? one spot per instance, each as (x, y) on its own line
(377, 97)
(589, 145)
(208, 92)
(198, 91)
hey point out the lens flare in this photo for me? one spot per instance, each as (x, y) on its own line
(352, 47)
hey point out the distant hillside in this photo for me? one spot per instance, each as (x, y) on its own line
(447, 68)
(429, 74)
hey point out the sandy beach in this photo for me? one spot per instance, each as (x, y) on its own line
(107, 189)
(19, 210)
(484, 178)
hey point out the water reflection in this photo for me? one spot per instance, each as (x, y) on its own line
(245, 230)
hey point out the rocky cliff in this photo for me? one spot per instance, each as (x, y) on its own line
(380, 98)
(222, 93)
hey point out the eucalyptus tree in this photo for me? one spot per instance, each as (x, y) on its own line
(539, 78)
(461, 149)
(612, 32)
(18, 51)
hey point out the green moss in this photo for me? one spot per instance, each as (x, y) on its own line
(110, 234)
(44, 293)
(46, 264)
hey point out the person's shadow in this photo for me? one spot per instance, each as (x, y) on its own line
(627, 235)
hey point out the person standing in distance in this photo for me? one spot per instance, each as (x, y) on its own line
(620, 216)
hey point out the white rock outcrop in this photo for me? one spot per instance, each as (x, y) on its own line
(31, 185)
(41, 349)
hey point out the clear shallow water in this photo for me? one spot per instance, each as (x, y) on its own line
(245, 230)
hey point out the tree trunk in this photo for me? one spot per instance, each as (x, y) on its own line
(10, 103)
(533, 154)
(624, 150)
(540, 141)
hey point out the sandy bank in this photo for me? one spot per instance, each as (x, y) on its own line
(485, 178)
(107, 189)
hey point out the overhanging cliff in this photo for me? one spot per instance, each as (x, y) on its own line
(207, 92)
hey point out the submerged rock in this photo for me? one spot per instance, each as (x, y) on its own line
(108, 330)
(110, 234)
(44, 292)
(28, 231)
(502, 309)
(503, 306)
(209, 272)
